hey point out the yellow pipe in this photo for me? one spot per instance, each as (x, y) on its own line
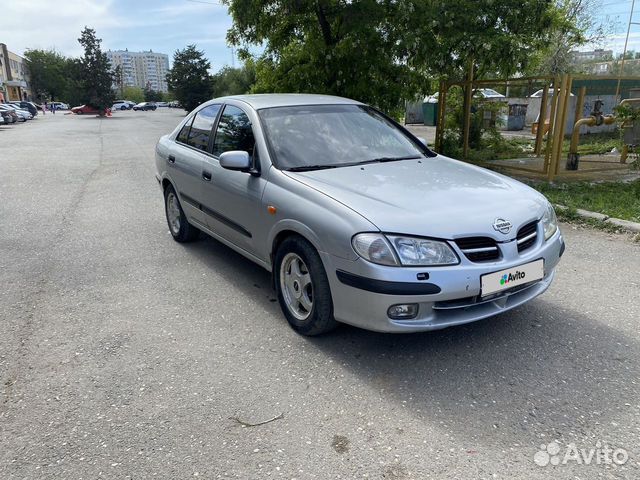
(629, 100)
(573, 157)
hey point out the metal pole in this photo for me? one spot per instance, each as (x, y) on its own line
(552, 126)
(556, 147)
(442, 100)
(468, 94)
(542, 118)
(573, 158)
(565, 108)
(624, 53)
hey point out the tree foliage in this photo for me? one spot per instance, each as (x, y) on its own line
(189, 79)
(381, 52)
(151, 95)
(234, 81)
(96, 76)
(134, 94)
(49, 73)
(575, 24)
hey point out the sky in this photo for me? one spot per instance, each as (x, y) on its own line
(167, 25)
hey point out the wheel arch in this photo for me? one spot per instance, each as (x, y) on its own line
(288, 228)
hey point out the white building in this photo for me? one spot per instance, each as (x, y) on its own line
(141, 69)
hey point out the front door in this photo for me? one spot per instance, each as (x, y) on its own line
(232, 199)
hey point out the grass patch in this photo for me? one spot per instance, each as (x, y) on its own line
(595, 144)
(615, 199)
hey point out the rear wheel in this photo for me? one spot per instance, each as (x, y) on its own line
(303, 288)
(181, 230)
(123, 107)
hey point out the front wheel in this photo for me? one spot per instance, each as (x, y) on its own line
(123, 108)
(303, 288)
(181, 230)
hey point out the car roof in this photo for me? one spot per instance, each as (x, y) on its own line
(269, 100)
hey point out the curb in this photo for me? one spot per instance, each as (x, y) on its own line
(632, 227)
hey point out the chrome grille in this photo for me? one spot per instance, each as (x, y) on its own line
(479, 249)
(527, 236)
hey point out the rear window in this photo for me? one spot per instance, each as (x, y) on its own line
(201, 127)
(183, 136)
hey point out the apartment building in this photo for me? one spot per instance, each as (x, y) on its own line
(141, 69)
(14, 76)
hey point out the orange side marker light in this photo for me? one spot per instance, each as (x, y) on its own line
(271, 209)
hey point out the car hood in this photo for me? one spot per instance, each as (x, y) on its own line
(434, 197)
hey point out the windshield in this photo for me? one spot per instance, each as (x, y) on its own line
(328, 136)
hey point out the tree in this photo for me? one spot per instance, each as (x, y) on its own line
(383, 52)
(189, 79)
(575, 24)
(48, 73)
(135, 94)
(151, 95)
(234, 81)
(96, 77)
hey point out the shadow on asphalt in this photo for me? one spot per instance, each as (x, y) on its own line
(510, 378)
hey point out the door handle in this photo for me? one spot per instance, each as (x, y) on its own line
(172, 159)
(206, 176)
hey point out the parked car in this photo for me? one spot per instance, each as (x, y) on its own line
(358, 221)
(162, 104)
(58, 105)
(174, 104)
(481, 93)
(85, 109)
(538, 93)
(145, 106)
(30, 106)
(23, 115)
(9, 115)
(127, 104)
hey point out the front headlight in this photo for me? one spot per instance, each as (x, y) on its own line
(407, 251)
(549, 222)
(375, 248)
(414, 251)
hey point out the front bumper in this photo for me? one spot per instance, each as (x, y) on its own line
(362, 292)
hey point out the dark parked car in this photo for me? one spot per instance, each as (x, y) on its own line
(30, 106)
(145, 106)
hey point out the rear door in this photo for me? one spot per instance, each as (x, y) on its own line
(186, 161)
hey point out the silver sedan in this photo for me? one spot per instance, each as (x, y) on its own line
(358, 221)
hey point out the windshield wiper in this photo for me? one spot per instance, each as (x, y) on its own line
(388, 159)
(307, 168)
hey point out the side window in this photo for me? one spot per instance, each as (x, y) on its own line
(184, 133)
(233, 132)
(201, 127)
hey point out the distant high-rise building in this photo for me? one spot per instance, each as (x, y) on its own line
(141, 69)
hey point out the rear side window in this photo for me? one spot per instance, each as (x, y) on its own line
(233, 132)
(184, 133)
(201, 127)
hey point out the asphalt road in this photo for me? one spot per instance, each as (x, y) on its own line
(124, 354)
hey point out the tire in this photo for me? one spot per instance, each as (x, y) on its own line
(123, 108)
(308, 307)
(79, 112)
(181, 231)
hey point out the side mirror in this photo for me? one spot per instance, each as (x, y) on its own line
(236, 160)
(423, 141)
